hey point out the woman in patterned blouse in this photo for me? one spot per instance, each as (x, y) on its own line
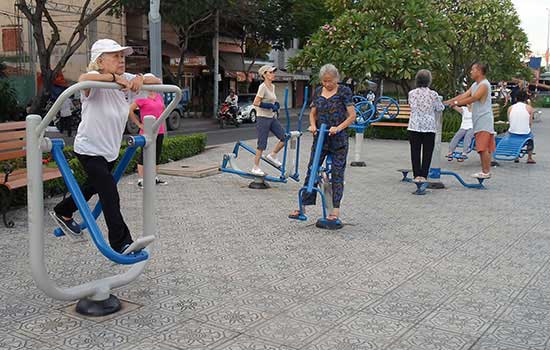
(424, 104)
(332, 105)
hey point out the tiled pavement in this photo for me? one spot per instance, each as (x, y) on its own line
(456, 269)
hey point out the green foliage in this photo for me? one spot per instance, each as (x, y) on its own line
(487, 31)
(385, 39)
(174, 148)
(8, 101)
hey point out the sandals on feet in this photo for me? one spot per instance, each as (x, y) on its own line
(332, 217)
(294, 214)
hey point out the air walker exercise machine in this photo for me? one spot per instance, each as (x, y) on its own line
(434, 177)
(94, 297)
(292, 142)
(320, 181)
(366, 114)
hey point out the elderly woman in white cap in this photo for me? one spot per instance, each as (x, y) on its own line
(267, 108)
(99, 136)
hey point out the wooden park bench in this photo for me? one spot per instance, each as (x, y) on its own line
(399, 121)
(405, 114)
(12, 147)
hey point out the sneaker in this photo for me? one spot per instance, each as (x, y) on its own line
(140, 183)
(70, 227)
(274, 160)
(257, 171)
(160, 182)
(482, 175)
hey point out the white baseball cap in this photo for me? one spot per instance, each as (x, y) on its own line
(106, 46)
(265, 69)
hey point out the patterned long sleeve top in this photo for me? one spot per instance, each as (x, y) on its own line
(424, 104)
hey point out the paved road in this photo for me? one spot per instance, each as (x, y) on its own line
(456, 269)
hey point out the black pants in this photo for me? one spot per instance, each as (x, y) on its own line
(101, 181)
(421, 142)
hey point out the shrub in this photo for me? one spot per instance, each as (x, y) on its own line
(174, 148)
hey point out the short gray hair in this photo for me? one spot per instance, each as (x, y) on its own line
(423, 78)
(329, 69)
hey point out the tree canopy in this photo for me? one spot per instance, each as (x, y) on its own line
(394, 39)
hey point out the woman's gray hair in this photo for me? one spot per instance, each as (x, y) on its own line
(329, 69)
(423, 78)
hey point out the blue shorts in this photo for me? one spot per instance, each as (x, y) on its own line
(264, 126)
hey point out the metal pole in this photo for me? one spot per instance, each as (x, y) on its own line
(155, 44)
(435, 170)
(32, 57)
(548, 39)
(149, 175)
(216, 54)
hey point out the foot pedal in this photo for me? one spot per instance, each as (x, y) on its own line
(329, 224)
(139, 244)
(420, 188)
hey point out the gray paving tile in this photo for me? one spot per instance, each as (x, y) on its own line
(320, 314)
(346, 298)
(235, 318)
(429, 338)
(287, 331)
(244, 342)
(342, 340)
(196, 335)
(458, 322)
(375, 327)
(400, 309)
(518, 335)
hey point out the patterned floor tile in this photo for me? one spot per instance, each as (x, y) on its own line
(96, 338)
(347, 298)
(458, 322)
(266, 301)
(146, 294)
(336, 340)
(235, 318)
(16, 341)
(287, 331)
(519, 335)
(244, 342)
(146, 320)
(196, 335)
(51, 325)
(188, 305)
(433, 339)
(375, 327)
(527, 315)
(320, 314)
(403, 310)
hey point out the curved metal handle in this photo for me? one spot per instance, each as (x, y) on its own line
(56, 107)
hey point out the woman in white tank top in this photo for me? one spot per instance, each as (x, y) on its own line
(520, 116)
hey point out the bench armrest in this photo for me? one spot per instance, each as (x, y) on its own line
(8, 169)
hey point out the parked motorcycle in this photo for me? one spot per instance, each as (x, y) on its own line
(228, 115)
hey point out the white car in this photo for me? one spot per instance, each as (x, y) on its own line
(247, 111)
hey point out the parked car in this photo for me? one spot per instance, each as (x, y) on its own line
(173, 121)
(247, 111)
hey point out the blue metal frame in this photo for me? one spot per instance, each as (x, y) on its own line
(372, 115)
(315, 173)
(436, 173)
(87, 215)
(282, 177)
(512, 146)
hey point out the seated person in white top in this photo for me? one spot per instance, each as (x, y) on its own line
(520, 116)
(465, 132)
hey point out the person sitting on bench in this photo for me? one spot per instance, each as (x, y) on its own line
(465, 132)
(520, 116)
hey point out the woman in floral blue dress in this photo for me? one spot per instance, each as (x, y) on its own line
(332, 105)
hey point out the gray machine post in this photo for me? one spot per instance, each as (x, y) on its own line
(434, 177)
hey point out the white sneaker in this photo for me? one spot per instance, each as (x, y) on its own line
(257, 171)
(274, 160)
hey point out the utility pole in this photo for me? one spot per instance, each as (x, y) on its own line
(32, 57)
(548, 39)
(155, 44)
(216, 49)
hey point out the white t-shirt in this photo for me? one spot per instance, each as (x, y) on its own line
(267, 95)
(104, 116)
(519, 119)
(466, 119)
(234, 102)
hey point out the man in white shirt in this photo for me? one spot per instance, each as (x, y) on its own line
(520, 116)
(233, 101)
